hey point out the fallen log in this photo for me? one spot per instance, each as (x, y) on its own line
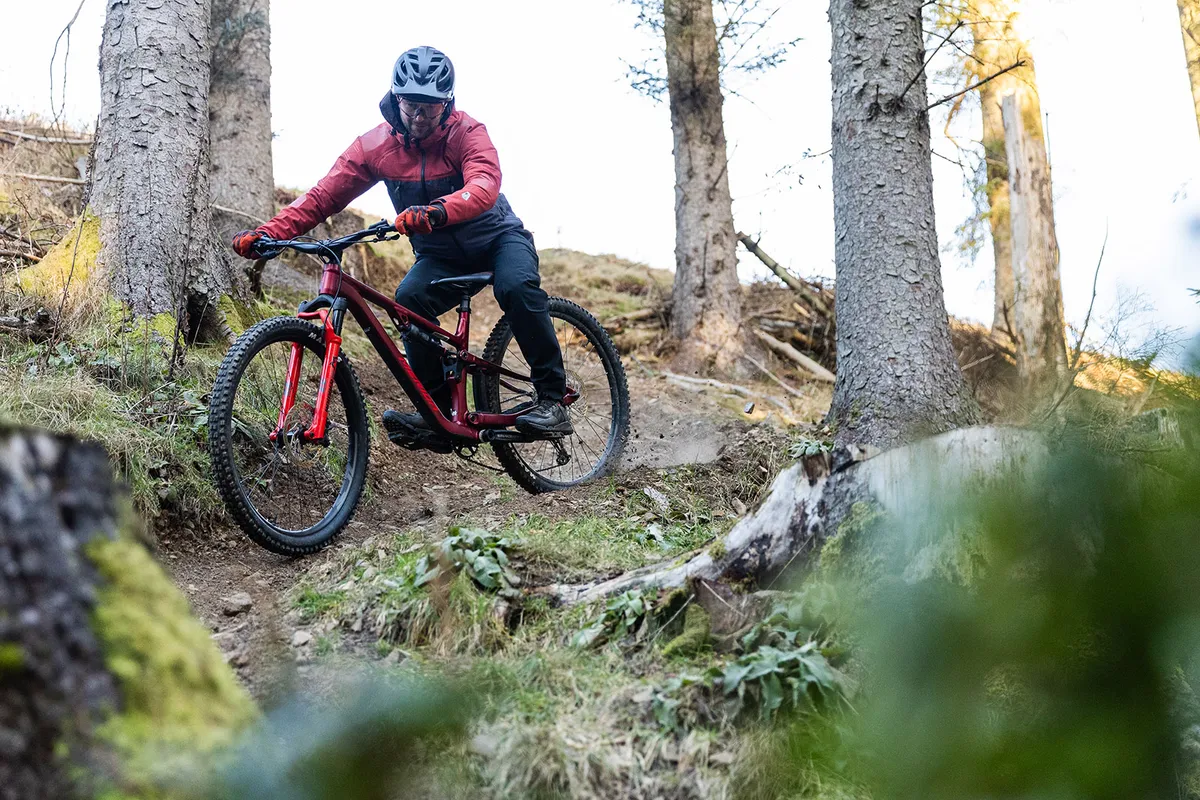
(809, 500)
(787, 351)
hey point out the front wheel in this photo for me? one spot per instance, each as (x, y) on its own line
(600, 416)
(289, 495)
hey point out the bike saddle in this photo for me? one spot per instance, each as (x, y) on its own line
(473, 282)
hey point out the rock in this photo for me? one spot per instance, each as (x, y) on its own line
(301, 638)
(236, 603)
(392, 658)
(658, 498)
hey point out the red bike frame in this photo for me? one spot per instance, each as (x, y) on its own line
(336, 286)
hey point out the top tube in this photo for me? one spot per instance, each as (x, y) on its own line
(379, 231)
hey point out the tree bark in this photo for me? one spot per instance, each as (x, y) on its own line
(897, 378)
(151, 188)
(1037, 299)
(1189, 20)
(706, 312)
(99, 656)
(55, 497)
(239, 112)
(998, 44)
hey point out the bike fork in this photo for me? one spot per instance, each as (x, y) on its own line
(331, 319)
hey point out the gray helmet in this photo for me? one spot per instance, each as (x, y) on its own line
(424, 75)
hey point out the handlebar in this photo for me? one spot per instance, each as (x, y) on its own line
(270, 248)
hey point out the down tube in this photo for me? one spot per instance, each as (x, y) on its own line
(402, 371)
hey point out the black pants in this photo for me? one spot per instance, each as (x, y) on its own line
(518, 287)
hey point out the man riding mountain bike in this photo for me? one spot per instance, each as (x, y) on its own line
(442, 173)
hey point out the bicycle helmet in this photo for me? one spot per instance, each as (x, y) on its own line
(423, 75)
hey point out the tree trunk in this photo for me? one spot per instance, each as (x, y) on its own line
(1037, 307)
(809, 500)
(995, 49)
(1189, 19)
(99, 657)
(239, 112)
(54, 686)
(998, 44)
(897, 378)
(706, 312)
(151, 188)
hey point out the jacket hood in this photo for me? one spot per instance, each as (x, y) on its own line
(390, 110)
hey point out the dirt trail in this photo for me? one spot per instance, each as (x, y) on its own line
(670, 427)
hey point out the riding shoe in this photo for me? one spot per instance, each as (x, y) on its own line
(412, 431)
(547, 418)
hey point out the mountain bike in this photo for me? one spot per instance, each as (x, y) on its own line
(288, 426)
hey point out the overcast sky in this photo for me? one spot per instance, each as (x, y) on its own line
(587, 162)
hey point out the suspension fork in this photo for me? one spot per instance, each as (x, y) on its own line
(331, 319)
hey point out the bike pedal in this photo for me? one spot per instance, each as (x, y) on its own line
(415, 439)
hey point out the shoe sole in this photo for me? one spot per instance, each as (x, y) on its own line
(412, 438)
(558, 432)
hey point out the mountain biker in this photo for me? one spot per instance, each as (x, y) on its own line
(442, 173)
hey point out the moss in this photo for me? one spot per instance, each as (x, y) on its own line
(238, 315)
(179, 697)
(848, 551)
(696, 629)
(68, 264)
(718, 550)
(12, 657)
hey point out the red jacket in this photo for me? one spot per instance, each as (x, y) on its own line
(456, 164)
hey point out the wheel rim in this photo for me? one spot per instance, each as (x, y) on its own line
(290, 485)
(593, 415)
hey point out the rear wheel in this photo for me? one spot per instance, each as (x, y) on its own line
(290, 496)
(600, 416)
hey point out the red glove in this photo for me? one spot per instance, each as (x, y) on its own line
(420, 219)
(245, 244)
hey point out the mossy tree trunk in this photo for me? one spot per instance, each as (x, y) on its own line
(897, 377)
(1189, 19)
(707, 300)
(239, 112)
(151, 186)
(99, 657)
(55, 689)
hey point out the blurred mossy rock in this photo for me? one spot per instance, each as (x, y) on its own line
(108, 685)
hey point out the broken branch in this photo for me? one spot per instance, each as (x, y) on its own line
(46, 139)
(44, 178)
(795, 284)
(789, 352)
(975, 86)
(787, 387)
(19, 254)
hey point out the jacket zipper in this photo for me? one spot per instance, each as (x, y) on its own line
(425, 193)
